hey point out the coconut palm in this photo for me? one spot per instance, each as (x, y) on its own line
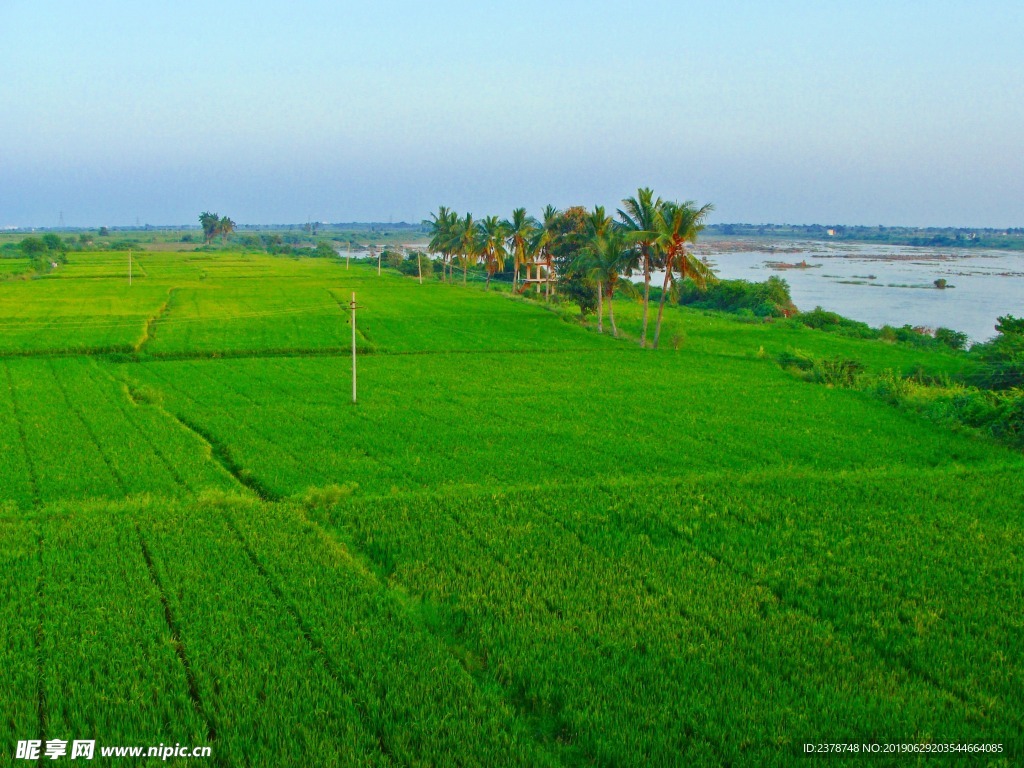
(677, 225)
(543, 239)
(467, 243)
(521, 229)
(442, 235)
(606, 256)
(491, 238)
(225, 227)
(639, 216)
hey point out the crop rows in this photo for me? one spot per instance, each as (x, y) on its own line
(898, 565)
(85, 316)
(71, 431)
(19, 627)
(640, 647)
(482, 420)
(106, 638)
(163, 624)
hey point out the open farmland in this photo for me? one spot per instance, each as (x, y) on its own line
(528, 544)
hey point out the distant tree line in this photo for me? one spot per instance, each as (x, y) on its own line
(936, 237)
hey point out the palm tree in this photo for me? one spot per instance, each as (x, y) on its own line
(521, 229)
(607, 254)
(491, 236)
(467, 245)
(210, 223)
(677, 225)
(225, 227)
(639, 219)
(442, 235)
(540, 245)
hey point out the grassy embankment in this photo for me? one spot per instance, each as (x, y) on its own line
(528, 544)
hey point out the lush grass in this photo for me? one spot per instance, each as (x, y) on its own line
(528, 544)
(695, 330)
(494, 420)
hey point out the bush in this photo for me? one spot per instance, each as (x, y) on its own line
(823, 320)
(836, 371)
(583, 295)
(1002, 359)
(1001, 414)
(892, 387)
(324, 250)
(768, 299)
(950, 338)
(414, 261)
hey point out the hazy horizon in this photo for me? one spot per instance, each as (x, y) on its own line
(875, 113)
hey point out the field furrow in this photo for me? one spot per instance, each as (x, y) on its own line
(268, 693)
(562, 592)
(416, 695)
(20, 613)
(105, 639)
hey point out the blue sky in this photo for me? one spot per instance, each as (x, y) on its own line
(800, 112)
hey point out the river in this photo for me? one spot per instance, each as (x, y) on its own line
(884, 284)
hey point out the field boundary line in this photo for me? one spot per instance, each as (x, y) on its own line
(319, 649)
(483, 679)
(150, 328)
(41, 700)
(220, 452)
(179, 645)
(30, 464)
(243, 475)
(157, 450)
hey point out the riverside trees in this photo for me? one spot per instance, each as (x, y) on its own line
(589, 250)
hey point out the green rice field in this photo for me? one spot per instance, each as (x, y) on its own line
(528, 544)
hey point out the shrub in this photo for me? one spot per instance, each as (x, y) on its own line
(950, 338)
(892, 387)
(836, 371)
(768, 299)
(1001, 359)
(823, 320)
(324, 250)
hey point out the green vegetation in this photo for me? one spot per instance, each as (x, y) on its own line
(742, 297)
(529, 543)
(934, 237)
(986, 396)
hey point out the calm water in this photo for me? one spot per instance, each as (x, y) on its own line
(889, 284)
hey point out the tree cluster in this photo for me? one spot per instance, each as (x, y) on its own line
(588, 250)
(214, 225)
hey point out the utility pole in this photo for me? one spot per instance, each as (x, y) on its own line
(129, 266)
(379, 254)
(348, 253)
(352, 306)
(419, 265)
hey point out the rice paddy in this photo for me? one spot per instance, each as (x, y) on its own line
(528, 544)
